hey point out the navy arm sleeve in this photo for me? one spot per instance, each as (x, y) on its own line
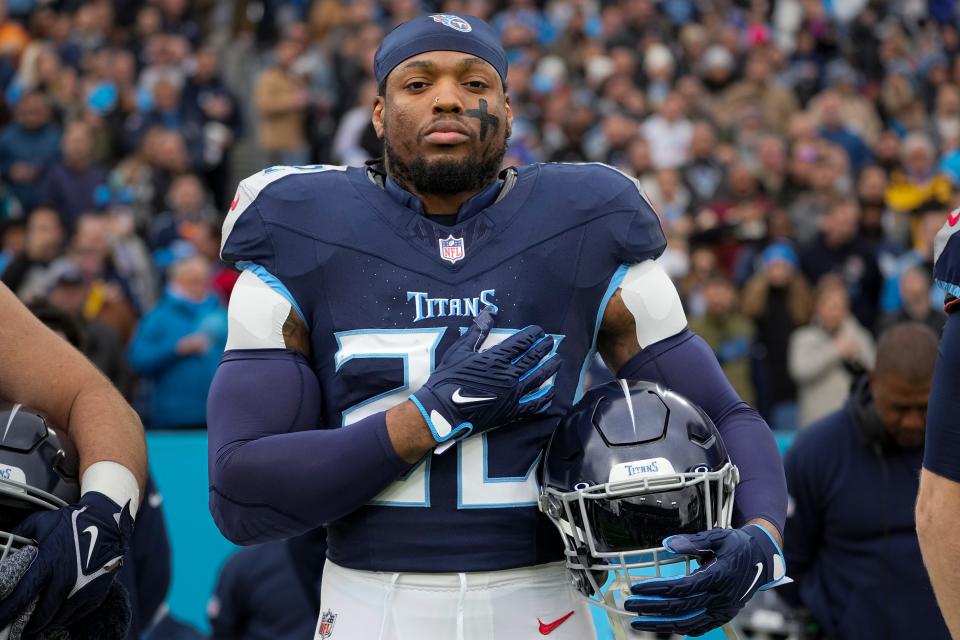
(941, 453)
(762, 492)
(273, 473)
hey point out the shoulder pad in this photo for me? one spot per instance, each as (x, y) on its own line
(244, 237)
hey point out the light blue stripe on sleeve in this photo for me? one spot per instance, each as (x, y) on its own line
(615, 283)
(271, 281)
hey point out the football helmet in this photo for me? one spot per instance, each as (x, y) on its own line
(630, 464)
(38, 471)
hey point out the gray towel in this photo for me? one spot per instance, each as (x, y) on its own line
(109, 621)
(11, 570)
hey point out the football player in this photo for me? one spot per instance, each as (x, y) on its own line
(938, 504)
(393, 368)
(82, 543)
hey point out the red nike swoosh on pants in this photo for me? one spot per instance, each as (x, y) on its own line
(546, 629)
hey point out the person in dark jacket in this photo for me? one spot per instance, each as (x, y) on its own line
(178, 346)
(850, 540)
(208, 101)
(917, 303)
(778, 300)
(260, 596)
(72, 184)
(839, 249)
(27, 146)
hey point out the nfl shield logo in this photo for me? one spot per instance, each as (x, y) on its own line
(325, 628)
(452, 21)
(451, 249)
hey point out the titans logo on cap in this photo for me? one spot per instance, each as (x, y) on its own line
(464, 33)
(454, 22)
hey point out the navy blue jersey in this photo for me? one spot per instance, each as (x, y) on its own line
(384, 291)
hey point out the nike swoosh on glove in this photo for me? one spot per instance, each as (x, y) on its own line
(734, 564)
(472, 391)
(80, 548)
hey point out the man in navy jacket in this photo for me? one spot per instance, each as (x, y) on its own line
(850, 540)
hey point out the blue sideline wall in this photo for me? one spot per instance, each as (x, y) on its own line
(179, 464)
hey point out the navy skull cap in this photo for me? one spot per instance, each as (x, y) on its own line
(440, 32)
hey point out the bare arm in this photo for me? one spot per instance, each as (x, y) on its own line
(618, 340)
(938, 520)
(43, 372)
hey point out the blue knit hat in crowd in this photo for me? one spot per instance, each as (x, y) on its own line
(780, 251)
(440, 32)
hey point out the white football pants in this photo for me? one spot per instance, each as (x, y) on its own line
(515, 604)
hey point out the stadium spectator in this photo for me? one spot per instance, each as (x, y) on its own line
(827, 355)
(728, 333)
(839, 249)
(178, 346)
(163, 109)
(919, 182)
(355, 142)
(917, 305)
(27, 145)
(833, 128)
(850, 541)
(64, 307)
(771, 168)
(857, 113)
(819, 175)
(26, 272)
(187, 208)
(282, 98)
(759, 89)
(73, 183)
(703, 174)
(109, 296)
(778, 300)
(669, 133)
(207, 100)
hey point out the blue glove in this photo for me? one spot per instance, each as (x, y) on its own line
(473, 391)
(734, 564)
(81, 546)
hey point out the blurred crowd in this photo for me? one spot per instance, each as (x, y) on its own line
(802, 155)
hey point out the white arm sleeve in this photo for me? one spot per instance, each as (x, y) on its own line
(650, 296)
(256, 315)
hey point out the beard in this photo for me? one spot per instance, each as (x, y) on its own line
(445, 176)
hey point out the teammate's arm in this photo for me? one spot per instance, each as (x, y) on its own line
(643, 335)
(938, 520)
(45, 373)
(938, 506)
